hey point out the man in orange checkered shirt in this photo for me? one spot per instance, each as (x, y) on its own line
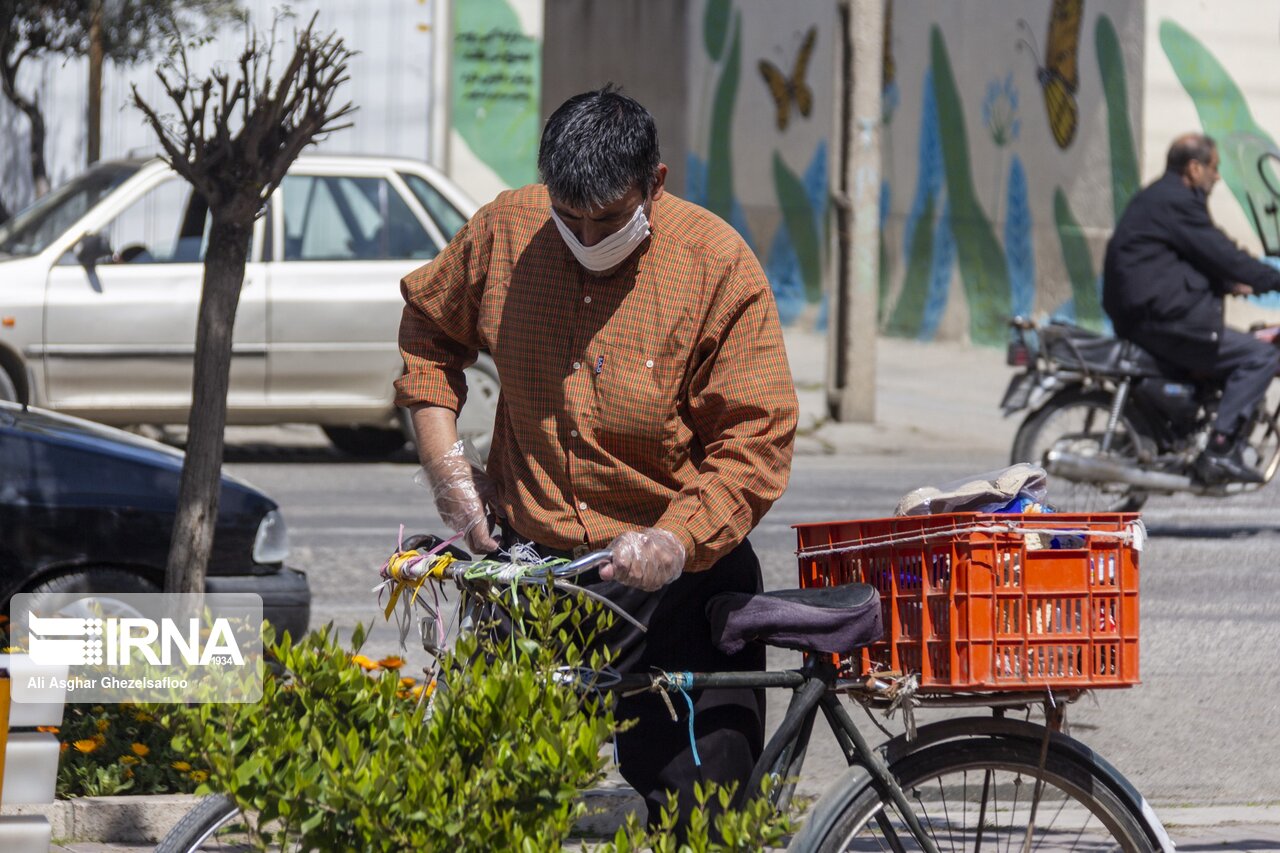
(647, 406)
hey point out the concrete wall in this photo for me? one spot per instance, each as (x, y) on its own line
(639, 45)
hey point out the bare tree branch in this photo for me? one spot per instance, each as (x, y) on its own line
(233, 140)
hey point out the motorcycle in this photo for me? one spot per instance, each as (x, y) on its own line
(1113, 425)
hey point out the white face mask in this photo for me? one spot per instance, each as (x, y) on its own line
(610, 251)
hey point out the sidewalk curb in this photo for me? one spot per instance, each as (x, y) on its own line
(145, 819)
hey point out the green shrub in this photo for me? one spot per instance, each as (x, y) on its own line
(340, 755)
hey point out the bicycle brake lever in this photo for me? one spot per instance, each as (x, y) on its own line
(583, 564)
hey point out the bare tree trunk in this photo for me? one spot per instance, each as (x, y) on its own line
(31, 108)
(94, 145)
(198, 492)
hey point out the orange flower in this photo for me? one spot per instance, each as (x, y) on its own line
(140, 749)
(49, 729)
(62, 747)
(98, 739)
(143, 717)
(129, 759)
(364, 662)
(391, 662)
(103, 725)
(407, 682)
(87, 745)
(180, 766)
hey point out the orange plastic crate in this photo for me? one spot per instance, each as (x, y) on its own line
(975, 601)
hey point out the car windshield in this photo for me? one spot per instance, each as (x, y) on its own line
(32, 229)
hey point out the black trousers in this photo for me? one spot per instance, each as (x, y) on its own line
(1243, 364)
(656, 755)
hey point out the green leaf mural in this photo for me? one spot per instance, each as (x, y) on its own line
(497, 78)
(982, 265)
(1078, 261)
(1223, 111)
(905, 321)
(720, 146)
(1124, 159)
(715, 26)
(800, 223)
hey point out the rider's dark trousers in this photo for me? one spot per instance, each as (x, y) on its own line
(656, 755)
(1244, 364)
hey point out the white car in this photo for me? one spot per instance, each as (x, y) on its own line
(100, 285)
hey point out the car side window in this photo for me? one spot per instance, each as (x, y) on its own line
(167, 225)
(446, 216)
(338, 218)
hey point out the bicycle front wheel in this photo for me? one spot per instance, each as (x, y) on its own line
(214, 824)
(980, 794)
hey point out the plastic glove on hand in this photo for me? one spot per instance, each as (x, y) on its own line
(646, 559)
(462, 494)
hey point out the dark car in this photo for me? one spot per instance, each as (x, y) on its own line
(88, 508)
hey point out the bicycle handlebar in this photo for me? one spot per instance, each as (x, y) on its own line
(419, 565)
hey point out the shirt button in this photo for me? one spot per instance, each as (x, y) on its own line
(582, 505)
(586, 299)
(573, 433)
(577, 365)
(649, 363)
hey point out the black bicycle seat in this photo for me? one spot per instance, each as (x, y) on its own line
(829, 620)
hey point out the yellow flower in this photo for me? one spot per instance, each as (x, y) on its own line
(143, 717)
(180, 766)
(129, 759)
(407, 682)
(103, 725)
(86, 746)
(98, 739)
(391, 662)
(364, 662)
(140, 749)
(98, 709)
(199, 775)
(49, 729)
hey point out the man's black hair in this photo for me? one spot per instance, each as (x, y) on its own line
(1193, 146)
(597, 146)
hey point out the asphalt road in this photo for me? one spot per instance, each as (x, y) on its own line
(1200, 730)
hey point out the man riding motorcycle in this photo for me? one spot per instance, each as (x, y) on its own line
(1166, 272)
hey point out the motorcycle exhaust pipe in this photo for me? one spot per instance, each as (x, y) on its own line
(1094, 469)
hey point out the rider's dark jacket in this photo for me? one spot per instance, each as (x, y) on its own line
(1168, 267)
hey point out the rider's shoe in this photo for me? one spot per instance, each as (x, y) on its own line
(1213, 469)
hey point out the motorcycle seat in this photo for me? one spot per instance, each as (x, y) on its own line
(1080, 349)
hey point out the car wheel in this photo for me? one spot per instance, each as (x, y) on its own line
(366, 442)
(8, 390)
(475, 421)
(102, 583)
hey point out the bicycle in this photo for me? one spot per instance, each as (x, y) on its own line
(974, 783)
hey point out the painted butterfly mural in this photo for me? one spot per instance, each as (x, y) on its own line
(1059, 74)
(793, 89)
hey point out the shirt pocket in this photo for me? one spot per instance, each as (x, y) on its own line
(637, 396)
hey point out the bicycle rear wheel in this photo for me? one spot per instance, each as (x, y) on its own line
(978, 794)
(214, 824)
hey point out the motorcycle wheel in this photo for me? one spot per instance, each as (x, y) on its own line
(1079, 419)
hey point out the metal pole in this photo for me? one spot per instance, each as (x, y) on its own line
(852, 387)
